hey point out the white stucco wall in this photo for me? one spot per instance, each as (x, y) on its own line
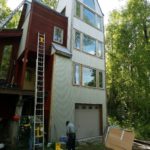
(65, 95)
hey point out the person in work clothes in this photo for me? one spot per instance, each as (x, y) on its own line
(71, 136)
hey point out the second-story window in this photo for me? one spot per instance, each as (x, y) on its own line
(58, 35)
(87, 13)
(89, 17)
(89, 45)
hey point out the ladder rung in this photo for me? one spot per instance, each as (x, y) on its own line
(39, 103)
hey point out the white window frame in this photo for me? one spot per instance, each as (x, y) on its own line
(82, 6)
(81, 77)
(62, 35)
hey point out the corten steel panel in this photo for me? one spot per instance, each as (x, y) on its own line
(43, 20)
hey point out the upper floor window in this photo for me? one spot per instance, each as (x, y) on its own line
(100, 49)
(89, 3)
(58, 35)
(87, 15)
(78, 9)
(100, 74)
(89, 45)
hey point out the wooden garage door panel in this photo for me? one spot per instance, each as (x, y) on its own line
(87, 122)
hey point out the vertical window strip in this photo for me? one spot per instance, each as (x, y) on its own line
(101, 84)
(4, 66)
(77, 42)
(76, 74)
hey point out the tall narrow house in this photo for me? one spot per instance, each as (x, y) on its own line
(79, 92)
(74, 68)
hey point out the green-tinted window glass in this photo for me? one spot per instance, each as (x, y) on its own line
(78, 9)
(100, 79)
(100, 49)
(4, 66)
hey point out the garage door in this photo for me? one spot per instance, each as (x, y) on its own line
(87, 120)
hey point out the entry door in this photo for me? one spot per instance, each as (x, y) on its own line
(87, 119)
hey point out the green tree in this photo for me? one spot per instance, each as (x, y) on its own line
(51, 3)
(128, 65)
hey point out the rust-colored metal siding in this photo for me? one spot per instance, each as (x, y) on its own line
(43, 20)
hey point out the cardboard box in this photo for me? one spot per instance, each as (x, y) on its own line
(118, 139)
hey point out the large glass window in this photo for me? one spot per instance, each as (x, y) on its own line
(77, 74)
(100, 49)
(89, 45)
(89, 17)
(88, 77)
(78, 10)
(99, 22)
(77, 40)
(58, 35)
(89, 3)
(5, 61)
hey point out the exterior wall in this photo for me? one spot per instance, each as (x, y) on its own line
(65, 94)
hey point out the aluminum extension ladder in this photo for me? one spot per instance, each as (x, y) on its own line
(39, 94)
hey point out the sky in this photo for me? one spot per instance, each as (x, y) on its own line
(106, 5)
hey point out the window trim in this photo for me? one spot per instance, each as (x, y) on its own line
(81, 77)
(62, 35)
(81, 44)
(82, 6)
